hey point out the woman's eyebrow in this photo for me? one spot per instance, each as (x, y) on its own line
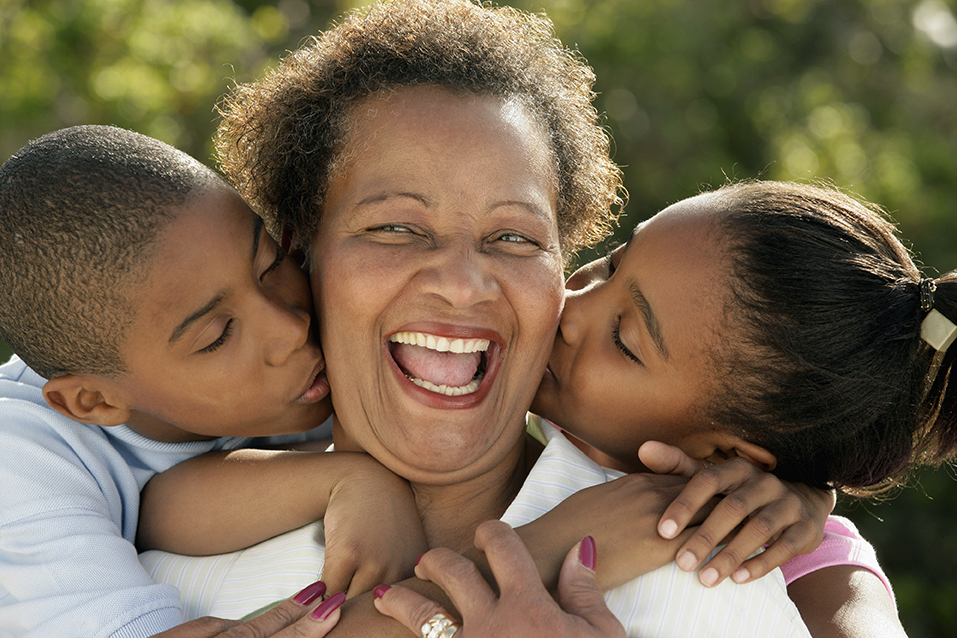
(651, 321)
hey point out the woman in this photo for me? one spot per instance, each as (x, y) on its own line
(438, 163)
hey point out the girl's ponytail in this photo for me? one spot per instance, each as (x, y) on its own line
(937, 408)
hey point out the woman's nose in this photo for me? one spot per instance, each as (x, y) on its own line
(457, 273)
(287, 331)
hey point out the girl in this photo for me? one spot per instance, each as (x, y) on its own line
(779, 324)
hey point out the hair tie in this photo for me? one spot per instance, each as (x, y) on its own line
(927, 289)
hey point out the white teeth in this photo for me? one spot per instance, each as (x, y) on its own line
(447, 390)
(440, 344)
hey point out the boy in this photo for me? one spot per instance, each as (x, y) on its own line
(146, 299)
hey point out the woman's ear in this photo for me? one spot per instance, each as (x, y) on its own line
(86, 398)
(733, 445)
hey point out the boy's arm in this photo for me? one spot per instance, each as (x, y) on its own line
(226, 501)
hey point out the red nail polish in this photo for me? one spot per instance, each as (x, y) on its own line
(328, 606)
(380, 591)
(587, 552)
(310, 593)
(418, 558)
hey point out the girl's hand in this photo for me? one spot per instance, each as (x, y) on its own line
(789, 516)
(522, 608)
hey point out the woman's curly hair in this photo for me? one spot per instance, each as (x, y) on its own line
(281, 136)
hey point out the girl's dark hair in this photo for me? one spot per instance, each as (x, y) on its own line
(832, 376)
(281, 136)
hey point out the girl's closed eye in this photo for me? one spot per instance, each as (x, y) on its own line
(616, 337)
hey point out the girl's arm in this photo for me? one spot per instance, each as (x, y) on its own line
(225, 501)
(845, 601)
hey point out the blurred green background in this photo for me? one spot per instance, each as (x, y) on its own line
(861, 93)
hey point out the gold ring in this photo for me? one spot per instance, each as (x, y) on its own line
(439, 626)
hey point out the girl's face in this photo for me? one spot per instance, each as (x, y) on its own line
(437, 274)
(631, 358)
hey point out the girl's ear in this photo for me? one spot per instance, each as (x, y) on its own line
(86, 398)
(734, 445)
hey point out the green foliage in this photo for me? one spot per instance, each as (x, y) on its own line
(857, 92)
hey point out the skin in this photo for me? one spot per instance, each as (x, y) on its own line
(446, 226)
(644, 319)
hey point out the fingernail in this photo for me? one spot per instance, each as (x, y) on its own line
(586, 553)
(741, 575)
(418, 558)
(686, 561)
(328, 606)
(668, 528)
(310, 593)
(380, 591)
(708, 577)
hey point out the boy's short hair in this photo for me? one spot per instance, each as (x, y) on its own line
(81, 210)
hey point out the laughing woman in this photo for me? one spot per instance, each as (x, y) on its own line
(437, 163)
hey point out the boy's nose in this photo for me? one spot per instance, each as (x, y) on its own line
(288, 332)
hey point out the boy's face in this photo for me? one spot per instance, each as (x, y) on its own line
(222, 343)
(630, 361)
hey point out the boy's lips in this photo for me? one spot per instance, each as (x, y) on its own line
(318, 388)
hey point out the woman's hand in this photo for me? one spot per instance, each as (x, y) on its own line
(522, 608)
(302, 616)
(789, 516)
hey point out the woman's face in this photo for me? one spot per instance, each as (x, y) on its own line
(631, 358)
(437, 275)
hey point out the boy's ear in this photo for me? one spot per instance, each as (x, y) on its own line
(86, 398)
(736, 446)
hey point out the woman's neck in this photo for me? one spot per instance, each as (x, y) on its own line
(450, 513)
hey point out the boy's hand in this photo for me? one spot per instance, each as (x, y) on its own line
(789, 516)
(373, 530)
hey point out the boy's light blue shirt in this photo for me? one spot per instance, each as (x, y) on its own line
(69, 502)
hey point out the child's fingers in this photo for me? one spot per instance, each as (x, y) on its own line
(662, 458)
(703, 486)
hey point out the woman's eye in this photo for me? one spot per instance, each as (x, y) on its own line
(392, 228)
(616, 337)
(514, 238)
(280, 257)
(214, 346)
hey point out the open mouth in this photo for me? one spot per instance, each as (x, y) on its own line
(448, 366)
